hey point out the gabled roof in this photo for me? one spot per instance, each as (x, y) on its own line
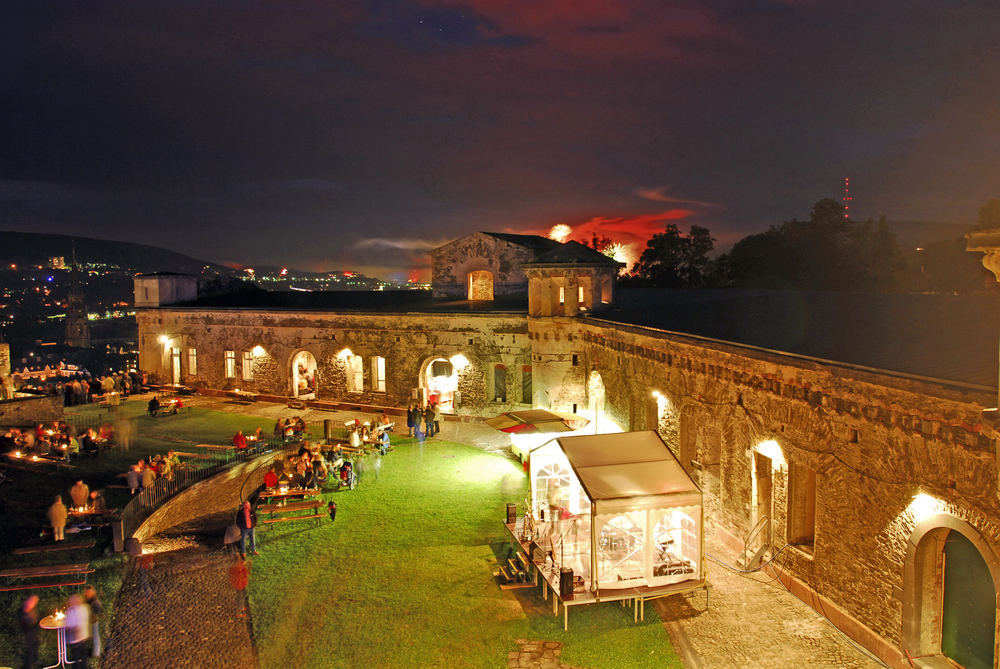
(536, 243)
(574, 253)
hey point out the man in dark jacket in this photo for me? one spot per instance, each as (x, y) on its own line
(246, 520)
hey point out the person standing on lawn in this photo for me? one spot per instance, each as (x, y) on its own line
(29, 629)
(79, 494)
(246, 520)
(77, 629)
(57, 517)
(96, 609)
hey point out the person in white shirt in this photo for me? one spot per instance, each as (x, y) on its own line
(77, 628)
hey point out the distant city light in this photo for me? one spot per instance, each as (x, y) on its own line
(284, 271)
(560, 232)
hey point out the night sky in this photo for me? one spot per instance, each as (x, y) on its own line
(357, 135)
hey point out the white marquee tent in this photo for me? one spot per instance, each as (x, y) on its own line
(618, 509)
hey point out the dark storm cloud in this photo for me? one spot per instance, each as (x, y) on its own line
(291, 132)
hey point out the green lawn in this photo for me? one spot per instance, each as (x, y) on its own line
(404, 577)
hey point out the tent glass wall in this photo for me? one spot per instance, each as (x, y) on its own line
(620, 532)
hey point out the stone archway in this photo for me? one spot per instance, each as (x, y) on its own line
(924, 587)
(438, 381)
(303, 375)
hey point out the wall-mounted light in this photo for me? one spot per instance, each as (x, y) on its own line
(924, 506)
(345, 354)
(165, 340)
(258, 351)
(656, 394)
(459, 361)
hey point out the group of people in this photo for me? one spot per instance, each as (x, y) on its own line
(56, 440)
(81, 498)
(290, 429)
(423, 421)
(143, 474)
(242, 442)
(80, 387)
(82, 623)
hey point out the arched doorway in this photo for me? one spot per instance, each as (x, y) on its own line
(481, 285)
(968, 613)
(441, 381)
(949, 594)
(304, 375)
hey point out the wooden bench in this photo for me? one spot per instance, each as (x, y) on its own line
(268, 521)
(58, 546)
(291, 506)
(507, 576)
(309, 505)
(51, 570)
(34, 586)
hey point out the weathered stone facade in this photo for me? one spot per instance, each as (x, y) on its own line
(500, 255)
(408, 342)
(853, 474)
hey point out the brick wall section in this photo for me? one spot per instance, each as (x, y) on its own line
(874, 439)
(31, 410)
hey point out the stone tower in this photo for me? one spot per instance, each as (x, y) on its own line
(570, 281)
(77, 326)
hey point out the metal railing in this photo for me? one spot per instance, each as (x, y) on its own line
(148, 499)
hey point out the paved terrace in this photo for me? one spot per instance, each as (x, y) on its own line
(196, 618)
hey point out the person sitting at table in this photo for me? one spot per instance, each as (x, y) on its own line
(239, 441)
(319, 467)
(301, 466)
(28, 440)
(72, 448)
(300, 425)
(308, 477)
(87, 443)
(270, 479)
(288, 430)
(106, 433)
(383, 443)
(80, 494)
(153, 407)
(354, 438)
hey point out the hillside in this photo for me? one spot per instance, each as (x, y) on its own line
(33, 248)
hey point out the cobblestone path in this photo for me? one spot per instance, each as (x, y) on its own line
(194, 618)
(753, 621)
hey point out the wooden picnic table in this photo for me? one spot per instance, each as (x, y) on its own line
(290, 506)
(313, 506)
(51, 548)
(50, 570)
(288, 494)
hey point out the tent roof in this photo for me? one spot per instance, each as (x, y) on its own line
(625, 464)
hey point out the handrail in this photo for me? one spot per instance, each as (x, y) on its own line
(148, 499)
(757, 529)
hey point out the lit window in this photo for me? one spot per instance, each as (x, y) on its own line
(562, 295)
(230, 357)
(247, 366)
(355, 374)
(579, 294)
(378, 374)
(192, 362)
